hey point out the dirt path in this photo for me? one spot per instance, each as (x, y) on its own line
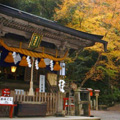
(107, 115)
(114, 108)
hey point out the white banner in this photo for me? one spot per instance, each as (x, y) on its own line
(62, 71)
(42, 83)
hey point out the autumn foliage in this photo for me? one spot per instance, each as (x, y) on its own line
(101, 17)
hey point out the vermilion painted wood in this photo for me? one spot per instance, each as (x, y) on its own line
(11, 108)
(64, 105)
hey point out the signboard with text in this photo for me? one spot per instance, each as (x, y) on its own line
(42, 83)
(35, 40)
(6, 100)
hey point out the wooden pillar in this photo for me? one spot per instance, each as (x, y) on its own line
(59, 111)
(31, 91)
(60, 96)
(77, 104)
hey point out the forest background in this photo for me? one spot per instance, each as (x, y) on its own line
(92, 67)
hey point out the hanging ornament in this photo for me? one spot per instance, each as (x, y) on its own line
(9, 58)
(62, 71)
(14, 54)
(16, 57)
(28, 61)
(61, 85)
(47, 61)
(42, 63)
(51, 65)
(23, 62)
(56, 66)
(36, 64)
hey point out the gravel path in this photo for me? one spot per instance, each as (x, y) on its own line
(107, 115)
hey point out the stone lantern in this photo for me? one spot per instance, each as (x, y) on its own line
(96, 94)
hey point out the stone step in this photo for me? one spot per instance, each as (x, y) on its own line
(53, 118)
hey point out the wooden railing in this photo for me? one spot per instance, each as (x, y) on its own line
(50, 98)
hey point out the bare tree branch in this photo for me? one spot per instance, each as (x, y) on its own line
(77, 54)
(91, 72)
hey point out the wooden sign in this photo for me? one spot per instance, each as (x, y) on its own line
(52, 78)
(42, 83)
(6, 100)
(35, 41)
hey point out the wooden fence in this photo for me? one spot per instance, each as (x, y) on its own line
(50, 98)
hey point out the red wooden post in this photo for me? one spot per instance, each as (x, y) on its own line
(64, 103)
(11, 112)
(11, 108)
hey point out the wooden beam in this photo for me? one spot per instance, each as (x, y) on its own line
(16, 44)
(28, 36)
(25, 28)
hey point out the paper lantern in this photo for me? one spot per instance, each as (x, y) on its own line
(13, 68)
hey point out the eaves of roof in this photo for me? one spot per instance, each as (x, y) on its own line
(50, 24)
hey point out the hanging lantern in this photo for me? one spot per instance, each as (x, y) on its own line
(23, 62)
(42, 63)
(9, 58)
(57, 67)
(13, 68)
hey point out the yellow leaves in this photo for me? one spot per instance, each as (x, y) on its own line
(116, 54)
(97, 47)
(102, 62)
(101, 17)
(109, 62)
(68, 59)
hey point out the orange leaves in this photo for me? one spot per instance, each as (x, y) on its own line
(98, 75)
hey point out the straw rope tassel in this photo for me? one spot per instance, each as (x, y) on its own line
(9, 58)
(23, 62)
(56, 66)
(32, 54)
(42, 63)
